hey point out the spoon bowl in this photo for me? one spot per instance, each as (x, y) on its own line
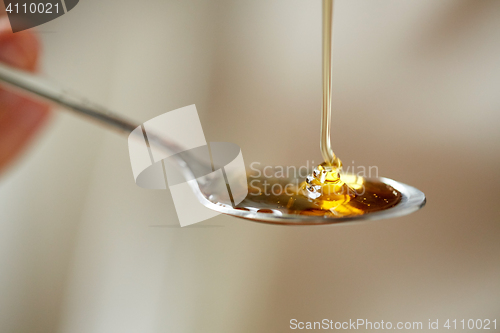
(412, 200)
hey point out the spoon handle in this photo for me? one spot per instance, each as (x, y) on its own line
(34, 86)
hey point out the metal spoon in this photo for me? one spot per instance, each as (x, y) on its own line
(34, 86)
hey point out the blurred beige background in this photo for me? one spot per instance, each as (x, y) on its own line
(83, 249)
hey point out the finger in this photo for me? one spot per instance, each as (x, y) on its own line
(20, 49)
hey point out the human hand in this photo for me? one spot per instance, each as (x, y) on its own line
(20, 117)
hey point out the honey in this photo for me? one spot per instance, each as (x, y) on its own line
(362, 196)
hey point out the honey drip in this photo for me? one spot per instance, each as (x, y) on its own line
(325, 146)
(327, 191)
(327, 187)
